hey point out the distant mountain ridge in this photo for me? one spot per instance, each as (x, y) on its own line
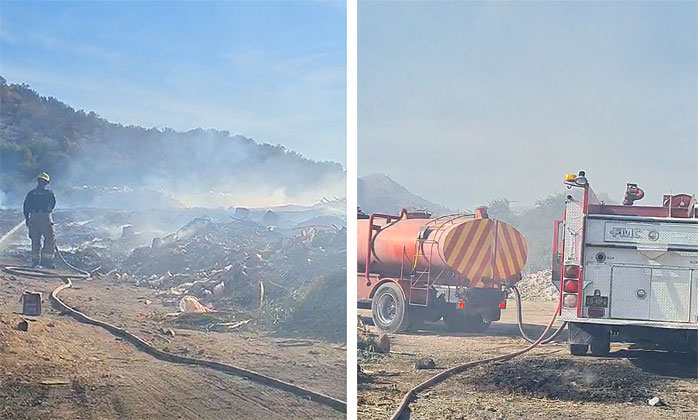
(197, 167)
(379, 193)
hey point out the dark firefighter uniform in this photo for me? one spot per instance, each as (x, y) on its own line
(38, 206)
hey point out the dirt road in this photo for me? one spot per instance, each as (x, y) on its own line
(62, 369)
(545, 383)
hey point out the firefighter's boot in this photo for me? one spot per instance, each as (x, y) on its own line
(43, 227)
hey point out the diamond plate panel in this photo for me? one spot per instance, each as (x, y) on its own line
(573, 232)
(630, 292)
(670, 295)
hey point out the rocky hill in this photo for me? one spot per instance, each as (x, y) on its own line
(379, 193)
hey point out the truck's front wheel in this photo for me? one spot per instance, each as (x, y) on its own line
(389, 309)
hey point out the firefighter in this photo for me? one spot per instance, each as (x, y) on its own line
(37, 215)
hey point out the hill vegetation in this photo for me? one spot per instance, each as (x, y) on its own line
(198, 167)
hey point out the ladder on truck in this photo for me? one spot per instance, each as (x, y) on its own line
(421, 280)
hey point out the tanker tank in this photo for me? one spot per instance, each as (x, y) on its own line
(463, 250)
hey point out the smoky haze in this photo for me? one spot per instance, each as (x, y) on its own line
(465, 102)
(96, 163)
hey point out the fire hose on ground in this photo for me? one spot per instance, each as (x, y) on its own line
(146, 347)
(434, 380)
(519, 314)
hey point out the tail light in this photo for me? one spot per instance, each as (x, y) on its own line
(571, 286)
(572, 271)
(596, 312)
(502, 305)
(572, 274)
(569, 300)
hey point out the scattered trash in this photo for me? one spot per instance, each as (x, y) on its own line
(190, 304)
(23, 325)
(425, 363)
(31, 303)
(227, 326)
(384, 344)
(366, 340)
(167, 331)
(294, 343)
(54, 381)
(656, 402)
(218, 290)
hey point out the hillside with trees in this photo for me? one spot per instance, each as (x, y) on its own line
(198, 167)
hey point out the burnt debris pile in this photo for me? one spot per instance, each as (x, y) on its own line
(286, 279)
(289, 280)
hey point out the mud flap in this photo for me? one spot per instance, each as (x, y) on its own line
(493, 315)
(485, 302)
(585, 333)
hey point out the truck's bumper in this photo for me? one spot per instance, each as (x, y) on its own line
(631, 323)
(667, 337)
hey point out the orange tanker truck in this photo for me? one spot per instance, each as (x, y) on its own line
(413, 268)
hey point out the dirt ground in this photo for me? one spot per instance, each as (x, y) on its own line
(545, 383)
(62, 369)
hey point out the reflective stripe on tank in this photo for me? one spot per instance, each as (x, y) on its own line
(469, 250)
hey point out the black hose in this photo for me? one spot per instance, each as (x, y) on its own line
(408, 396)
(82, 272)
(44, 274)
(144, 346)
(518, 304)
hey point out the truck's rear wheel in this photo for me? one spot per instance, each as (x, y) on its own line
(456, 320)
(389, 309)
(578, 349)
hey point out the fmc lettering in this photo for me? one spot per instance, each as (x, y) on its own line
(622, 232)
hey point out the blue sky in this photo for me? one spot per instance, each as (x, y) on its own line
(273, 71)
(463, 102)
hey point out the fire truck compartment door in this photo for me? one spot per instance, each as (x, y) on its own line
(670, 297)
(629, 296)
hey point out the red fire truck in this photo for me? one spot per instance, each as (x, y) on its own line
(626, 272)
